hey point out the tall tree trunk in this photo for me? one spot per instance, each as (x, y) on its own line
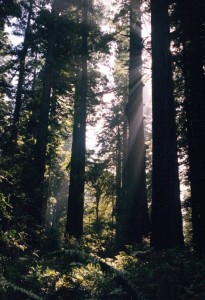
(136, 214)
(166, 210)
(18, 103)
(193, 28)
(42, 133)
(74, 226)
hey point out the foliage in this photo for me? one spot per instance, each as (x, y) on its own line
(136, 272)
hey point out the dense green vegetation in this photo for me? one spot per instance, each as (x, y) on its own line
(121, 217)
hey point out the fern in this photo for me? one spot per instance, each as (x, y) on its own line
(4, 282)
(105, 266)
(77, 255)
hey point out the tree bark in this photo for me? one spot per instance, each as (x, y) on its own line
(166, 210)
(192, 15)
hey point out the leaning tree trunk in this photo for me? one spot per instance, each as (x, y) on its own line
(193, 28)
(166, 210)
(136, 209)
(19, 91)
(74, 226)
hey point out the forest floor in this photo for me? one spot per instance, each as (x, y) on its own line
(87, 270)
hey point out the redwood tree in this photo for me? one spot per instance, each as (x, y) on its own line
(136, 210)
(166, 210)
(42, 133)
(74, 226)
(192, 20)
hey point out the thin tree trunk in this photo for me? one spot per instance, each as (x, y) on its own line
(166, 209)
(124, 161)
(74, 226)
(97, 213)
(23, 54)
(136, 214)
(119, 210)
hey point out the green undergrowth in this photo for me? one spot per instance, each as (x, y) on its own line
(77, 271)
